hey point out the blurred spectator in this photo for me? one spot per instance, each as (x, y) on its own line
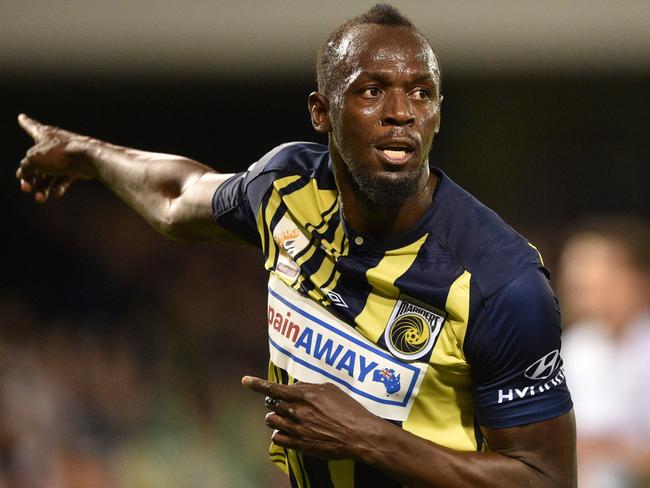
(605, 292)
(145, 396)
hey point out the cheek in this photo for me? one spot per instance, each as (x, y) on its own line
(371, 114)
(355, 112)
(357, 125)
(430, 121)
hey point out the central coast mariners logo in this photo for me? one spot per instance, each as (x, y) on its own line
(412, 329)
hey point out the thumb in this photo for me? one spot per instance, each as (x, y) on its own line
(31, 126)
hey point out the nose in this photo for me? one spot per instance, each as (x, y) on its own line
(397, 109)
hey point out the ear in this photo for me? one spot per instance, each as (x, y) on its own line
(318, 107)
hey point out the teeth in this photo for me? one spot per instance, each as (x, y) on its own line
(395, 155)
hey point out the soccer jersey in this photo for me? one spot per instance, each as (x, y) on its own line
(441, 329)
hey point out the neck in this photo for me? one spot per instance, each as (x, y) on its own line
(377, 219)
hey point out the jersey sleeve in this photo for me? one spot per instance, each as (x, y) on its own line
(231, 209)
(236, 201)
(513, 347)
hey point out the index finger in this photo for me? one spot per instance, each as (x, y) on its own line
(31, 126)
(275, 390)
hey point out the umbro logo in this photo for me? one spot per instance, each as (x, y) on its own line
(544, 367)
(337, 299)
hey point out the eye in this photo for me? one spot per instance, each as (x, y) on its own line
(421, 94)
(371, 92)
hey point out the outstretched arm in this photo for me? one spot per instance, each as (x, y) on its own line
(172, 193)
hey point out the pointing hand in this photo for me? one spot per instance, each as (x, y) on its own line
(57, 158)
(320, 420)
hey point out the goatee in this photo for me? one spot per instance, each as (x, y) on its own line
(387, 191)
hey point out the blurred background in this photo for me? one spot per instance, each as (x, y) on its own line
(121, 353)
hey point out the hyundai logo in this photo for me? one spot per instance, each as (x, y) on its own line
(543, 367)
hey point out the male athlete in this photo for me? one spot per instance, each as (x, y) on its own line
(414, 338)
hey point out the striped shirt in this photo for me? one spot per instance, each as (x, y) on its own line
(441, 329)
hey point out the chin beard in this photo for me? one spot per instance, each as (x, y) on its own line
(387, 191)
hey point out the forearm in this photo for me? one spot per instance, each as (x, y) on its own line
(160, 187)
(173, 193)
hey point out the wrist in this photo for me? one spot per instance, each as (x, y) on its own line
(90, 154)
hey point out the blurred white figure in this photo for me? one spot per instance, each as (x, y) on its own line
(605, 296)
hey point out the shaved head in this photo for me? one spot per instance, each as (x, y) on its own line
(334, 69)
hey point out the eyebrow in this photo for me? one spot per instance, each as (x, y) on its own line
(385, 77)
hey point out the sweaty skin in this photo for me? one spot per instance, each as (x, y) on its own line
(380, 130)
(391, 101)
(172, 193)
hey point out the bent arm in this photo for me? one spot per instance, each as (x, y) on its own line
(323, 421)
(536, 455)
(173, 193)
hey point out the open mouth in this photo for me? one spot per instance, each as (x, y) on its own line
(396, 152)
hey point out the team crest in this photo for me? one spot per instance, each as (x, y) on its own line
(413, 329)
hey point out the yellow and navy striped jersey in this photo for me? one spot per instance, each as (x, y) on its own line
(441, 329)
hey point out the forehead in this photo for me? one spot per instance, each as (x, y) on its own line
(370, 46)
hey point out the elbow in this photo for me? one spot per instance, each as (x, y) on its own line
(168, 222)
(556, 476)
(166, 227)
(174, 231)
(178, 223)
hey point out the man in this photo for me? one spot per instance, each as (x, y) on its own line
(414, 337)
(605, 290)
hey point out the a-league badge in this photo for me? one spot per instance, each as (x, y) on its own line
(413, 329)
